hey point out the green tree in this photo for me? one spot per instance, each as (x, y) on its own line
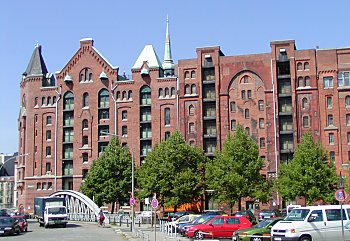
(235, 171)
(309, 174)
(171, 170)
(109, 177)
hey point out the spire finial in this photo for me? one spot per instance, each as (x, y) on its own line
(37, 44)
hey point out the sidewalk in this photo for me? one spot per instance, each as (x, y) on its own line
(146, 233)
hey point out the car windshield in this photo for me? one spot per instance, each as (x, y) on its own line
(202, 219)
(268, 211)
(297, 214)
(264, 223)
(57, 210)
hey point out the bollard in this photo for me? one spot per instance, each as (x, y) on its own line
(139, 223)
(127, 222)
(120, 222)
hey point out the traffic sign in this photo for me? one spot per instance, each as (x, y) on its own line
(340, 195)
(154, 203)
(132, 201)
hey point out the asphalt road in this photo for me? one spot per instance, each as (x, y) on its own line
(73, 231)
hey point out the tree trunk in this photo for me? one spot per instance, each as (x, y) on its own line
(239, 204)
(113, 206)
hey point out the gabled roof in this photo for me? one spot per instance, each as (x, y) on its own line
(148, 54)
(36, 64)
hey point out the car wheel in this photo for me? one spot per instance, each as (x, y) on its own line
(199, 235)
(18, 231)
(305, 238)
(256, 239)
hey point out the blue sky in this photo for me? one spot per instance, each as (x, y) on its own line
(120, 30)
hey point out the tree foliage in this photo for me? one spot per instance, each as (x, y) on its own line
(234, 172)
(171, 171)
(109, 177)
(309, 174)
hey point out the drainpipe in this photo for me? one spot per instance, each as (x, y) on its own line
(56, 127)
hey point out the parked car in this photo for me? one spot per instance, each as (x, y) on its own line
(265, 214)
(259, 232)
(201, 219)
(184, 219)
(23, 224)
(4, 213)
(9, 225)
(248, 214)
(214, 212)
(218, 227)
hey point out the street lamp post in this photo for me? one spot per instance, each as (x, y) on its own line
(132, 182)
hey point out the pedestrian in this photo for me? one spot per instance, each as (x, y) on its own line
(101, 217)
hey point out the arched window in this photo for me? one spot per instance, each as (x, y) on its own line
(85, 99)
(247, 130)
(118, 95)
(36, 101)
(245, 79)
(68, 101)
(246, 113)
(300, 82)
(103, 99)
(130, 94)
(85, 74)
(304, 103)
(167, 116)
(145, 95)
(243, 95)
(347, 101)
(173, 91)
(193, 89)
(191, 110)
(307, 81)
(166, 92)
(193, 74)
(233, 106)
(306, 66)
(54, 100)
(191, 128)
(305, 121)
(85, 124)
(43, 99)
(90, 76)
(187, 90)
(124, 95)
(160, 93)
(48, 100)
(261, 105)
(187, 75)
(299, 66)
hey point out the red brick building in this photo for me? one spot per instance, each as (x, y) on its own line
(276, 96)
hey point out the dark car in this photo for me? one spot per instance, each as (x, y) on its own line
(266, 214)
(9, 225)
(4, 213)
(23, 224)
(214, 212)
(248, 214)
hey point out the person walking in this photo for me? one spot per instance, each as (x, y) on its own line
(101, 217)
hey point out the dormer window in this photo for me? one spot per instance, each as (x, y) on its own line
(85, 75)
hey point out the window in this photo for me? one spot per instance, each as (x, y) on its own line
(146, 131)
(124, 131)
(305, 121)
(193, 74)
(233, 125)
(344, 79)
(67, 152)
(246, 113)
(36, 101)
(167, 135)
(85, 75)
(299, 66)
(85, 140)
(172, 91)
(160, 93)
(103, 114)
(118, 95)
(85, 173)
(193, 89)
(44, 186)
(347, 101)
(68, 135)
(38, 185)
(261, 123)
(48, 167)
(166, 92)
(124, 95)
(103, 130)
(331, 138)
(245, 79)
(187, 90)
(68, 101)
(348, 137)
(329, 102)
(49, 100)
(49, 185)
(192, 144)
(167, 116)
(332, 157)
(318, 215)
(48, 135)
(43, 101)
(327, 82)
(305, 103)
(261, 105)
(68, 118)
(48, 151)
(233, 106)
(330, 120)
(187, 75)
(249, 93)
(306, 66)
(218, 221)
(124, 115)
(300, 82)
(85, 124)
(130, 94)
(307, 81)
(243, 95)
(335, 214)
(191, 128)
(48, 120)
(145, 95)
(262, 142)
(247, 130)
(348, 119)
(85, 100)
(85, 157)
(103, 99)
(191, 110)
(145, 115)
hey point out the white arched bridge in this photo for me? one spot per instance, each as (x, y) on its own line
(80, 207)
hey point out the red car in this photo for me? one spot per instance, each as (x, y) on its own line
(218, 227)
(23, 224)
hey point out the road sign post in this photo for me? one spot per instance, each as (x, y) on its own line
(154, 205)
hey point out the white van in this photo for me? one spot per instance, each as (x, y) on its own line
(313, 223)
